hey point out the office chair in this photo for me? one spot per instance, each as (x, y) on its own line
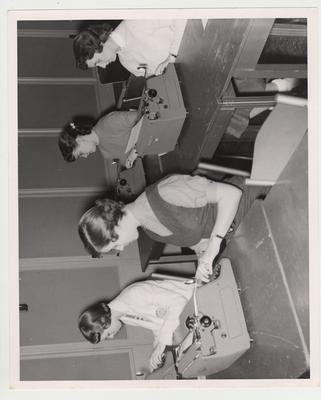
(276, 141)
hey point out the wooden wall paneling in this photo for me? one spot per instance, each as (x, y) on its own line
(48, 25)
(48, 226)
(113, 365)
(60, 296)
(48, 57)
(54, 105)
(41, 165)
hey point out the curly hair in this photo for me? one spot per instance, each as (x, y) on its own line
(94, 320)
(97, 226)
(89, 42)
(67, 139)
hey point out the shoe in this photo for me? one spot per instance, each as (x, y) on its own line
(286, 84)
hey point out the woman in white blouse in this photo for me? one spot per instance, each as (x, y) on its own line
(137, 43)
(155, 305)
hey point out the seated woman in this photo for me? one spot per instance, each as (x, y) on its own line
(137, 43)
(151, 304)
(110, 134)
(183, 210)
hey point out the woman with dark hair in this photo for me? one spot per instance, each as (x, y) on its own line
(90, 41)
(149, 43)
(110, 134)
(152, 304)
(95, 235)
(183, 210)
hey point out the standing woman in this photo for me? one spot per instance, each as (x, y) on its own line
(137, 43)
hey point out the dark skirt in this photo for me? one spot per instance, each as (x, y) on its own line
(249, 195)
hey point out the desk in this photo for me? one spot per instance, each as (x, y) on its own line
(208, 59)
(204, 65)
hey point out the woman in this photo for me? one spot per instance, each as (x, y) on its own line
(183, 210)
(110, 134)
(139, 44)
(155, 305)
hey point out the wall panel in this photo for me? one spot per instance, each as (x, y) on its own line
(48, 227)
(53, 106)
(61, 295)
(99, 367)
(41, 165)
(48, 57)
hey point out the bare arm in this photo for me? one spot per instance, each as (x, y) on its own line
(178, 28)
(227, 198)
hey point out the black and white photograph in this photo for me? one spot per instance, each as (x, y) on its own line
(163, 198)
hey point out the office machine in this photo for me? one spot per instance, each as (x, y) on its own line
(212, 332)
(131, 182)
(162, 115)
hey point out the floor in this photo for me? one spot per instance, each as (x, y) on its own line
(270, 257)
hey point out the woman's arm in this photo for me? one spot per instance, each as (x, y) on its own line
(227, 198)
(120, 122)
(178, 27)
(165, 335)
(131, 118)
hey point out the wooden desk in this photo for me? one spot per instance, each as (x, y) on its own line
(204, 65)
(208, 60)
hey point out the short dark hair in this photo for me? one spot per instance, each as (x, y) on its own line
(67, 138)
(90, 41)
(94, 320)
(97, 226)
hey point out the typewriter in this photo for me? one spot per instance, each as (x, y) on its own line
(215, 336)
(162, 114)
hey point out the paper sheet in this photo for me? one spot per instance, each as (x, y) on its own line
(134, 135)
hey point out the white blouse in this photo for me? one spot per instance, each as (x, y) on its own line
(147, 42)
(155, 305)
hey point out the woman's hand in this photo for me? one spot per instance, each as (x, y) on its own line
(156, 358)
(162, 66)
(206, 258)
(204, 269)
(131, 158)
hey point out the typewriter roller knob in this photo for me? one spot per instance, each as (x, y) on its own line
(152, 93)
(205, 321)
(123, 182)
(190, 322)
